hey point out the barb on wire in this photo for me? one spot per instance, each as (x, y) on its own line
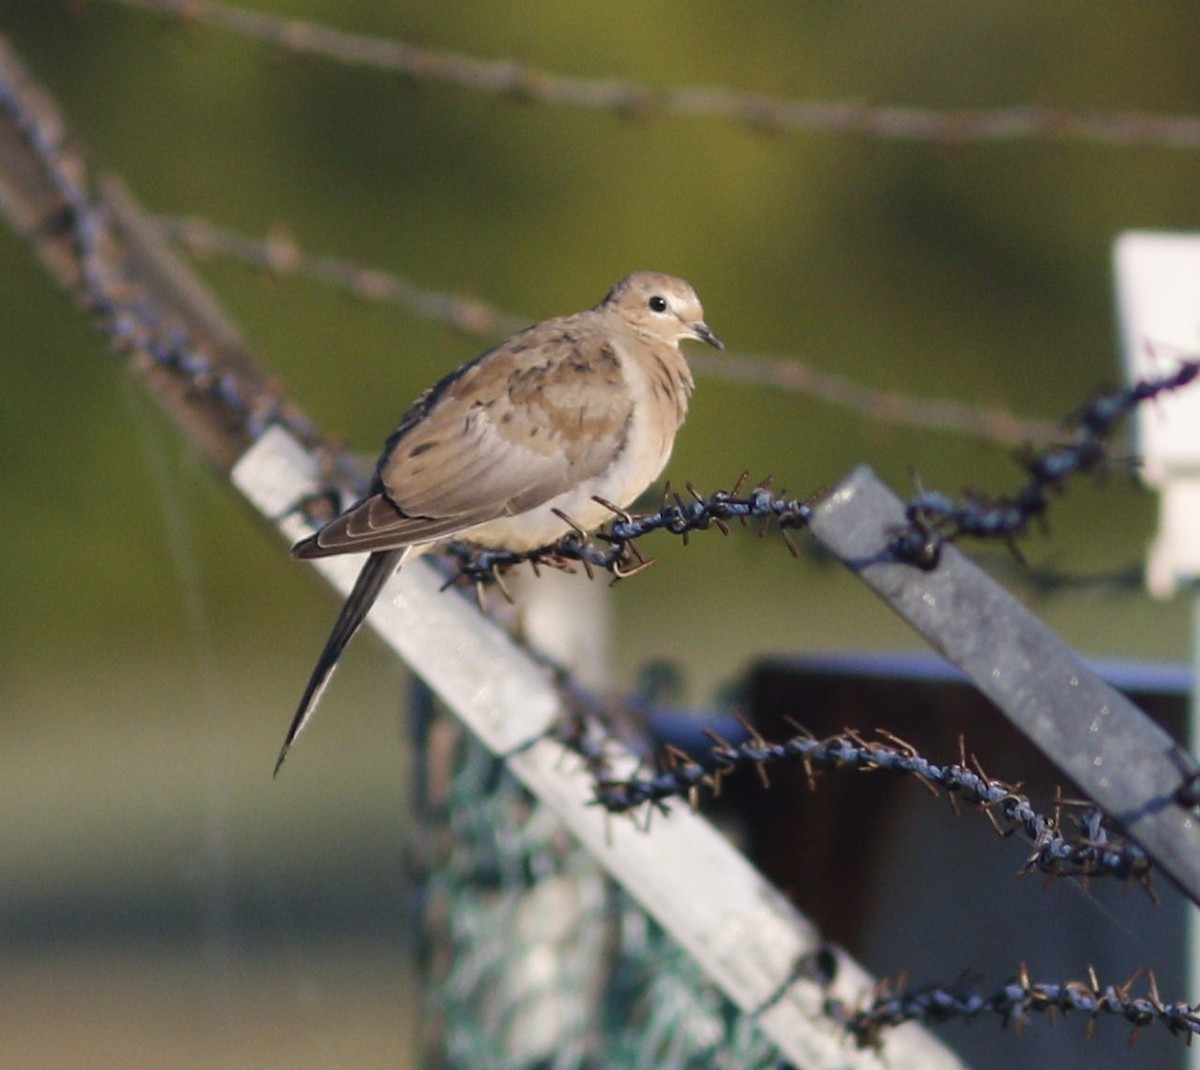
(1093, 850)
(934, 518)
(280, 254)
(755, 110)
(619, 554)
(1014, 1003)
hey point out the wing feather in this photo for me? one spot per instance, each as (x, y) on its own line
(514, 429)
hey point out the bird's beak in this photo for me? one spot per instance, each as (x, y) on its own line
(702, 333)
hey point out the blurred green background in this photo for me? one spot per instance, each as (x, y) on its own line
(155, 635)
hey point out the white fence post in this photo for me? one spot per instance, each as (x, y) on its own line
(1158, 301)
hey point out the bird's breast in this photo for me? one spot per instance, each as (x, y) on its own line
(659, 390)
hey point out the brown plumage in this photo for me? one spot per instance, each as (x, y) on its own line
(568, 410)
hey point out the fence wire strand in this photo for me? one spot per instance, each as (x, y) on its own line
(1095, 849)
(934, 518)
(756, 111)
(280, 254)
(1016, 1001)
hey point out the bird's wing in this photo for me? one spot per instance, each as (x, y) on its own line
(524, 423)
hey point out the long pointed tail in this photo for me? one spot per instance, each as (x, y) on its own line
(375, 573)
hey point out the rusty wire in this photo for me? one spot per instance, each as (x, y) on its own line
(755, 111)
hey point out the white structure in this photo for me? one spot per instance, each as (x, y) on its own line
(1158, 299)
(1158, 302)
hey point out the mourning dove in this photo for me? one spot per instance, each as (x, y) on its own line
(566, 411)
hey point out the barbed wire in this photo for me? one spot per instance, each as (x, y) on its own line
(935, 518)
(1094, 850)
(280, 254)
(1014, 1003)
(756, 111)
(985, 422)
(614, 548)
(88, 251)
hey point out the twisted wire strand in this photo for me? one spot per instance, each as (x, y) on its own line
(280, 254)
(1094, 849)
(1014, 1003)
(613, 548)
(78, 233)
(756, 111)
(935, 519)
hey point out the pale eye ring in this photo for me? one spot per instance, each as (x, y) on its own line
(657, 304)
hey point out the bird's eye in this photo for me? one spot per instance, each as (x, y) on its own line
(658, 304)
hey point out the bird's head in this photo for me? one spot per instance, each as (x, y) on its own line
(661, 307)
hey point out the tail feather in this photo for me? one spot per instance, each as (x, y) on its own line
(375, 573)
